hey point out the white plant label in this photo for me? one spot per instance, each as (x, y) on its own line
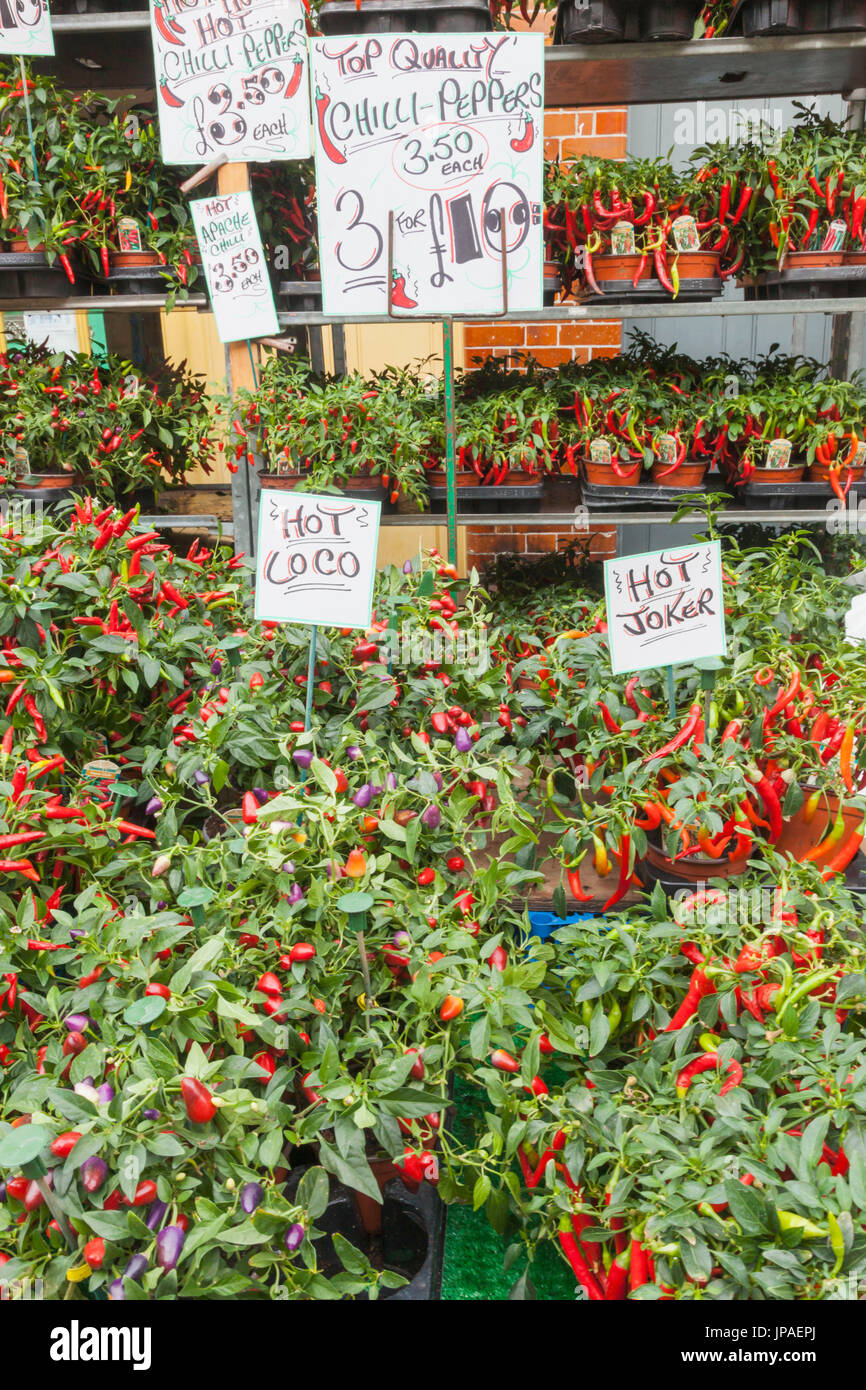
(25, 28)
(234, 265)
(445, 132)
(665, 608)
(231, 78)
(316, 558)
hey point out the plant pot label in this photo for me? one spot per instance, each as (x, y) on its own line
(234, 265)
(599, 451)
(666, 450)
(837, 235)
(316, 558)
(622, 241)
(665, 607)
(25, 28)
(436, 142)
(231, 79)
(128, 235)
(686, 235)
(779, 453)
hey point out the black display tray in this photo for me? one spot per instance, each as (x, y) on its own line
(488, 499)
(299, 296)
(643, 494)
(28, 275)
(824, 282)
(652, 291)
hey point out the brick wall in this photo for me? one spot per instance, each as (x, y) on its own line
(567, 134)
(530, 539)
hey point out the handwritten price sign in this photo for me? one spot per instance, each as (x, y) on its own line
(665, 608)
(445, 132)
(316, 559)
(234, 265)
(25, 28)
(231, 79)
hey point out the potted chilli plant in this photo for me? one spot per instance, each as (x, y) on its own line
(320, 433)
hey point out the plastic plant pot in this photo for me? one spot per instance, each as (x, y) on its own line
(773, 17)
(846, 14)
(668, 22)
(600, 21)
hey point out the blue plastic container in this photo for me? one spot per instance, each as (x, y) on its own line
(541, 924)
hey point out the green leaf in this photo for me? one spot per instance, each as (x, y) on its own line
(747, 1208)
(481, 1191)
(313, 1192)
(350, 1258)
(145, 1010)
(355, 1172)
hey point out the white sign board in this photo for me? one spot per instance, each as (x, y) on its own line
(58, 331)
(25, 28)
(231, 78)
(234, 265)
(665, 608)
(316, 558)
(445, 131)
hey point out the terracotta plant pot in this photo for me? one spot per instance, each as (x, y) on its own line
(813, 260)
(697, 265)
(855, 257)
(687, 475)
(820, 473)
(695, 868)
(515, 477)
(21, 245)
(798, 837)
(779, 475)
(604, 475)
(49, 480)
(125, 260)
(620, 268)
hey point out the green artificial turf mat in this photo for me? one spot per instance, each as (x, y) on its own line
(472, 1266)
(473, 1262)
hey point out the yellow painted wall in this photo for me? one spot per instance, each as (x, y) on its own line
(191, 337)
(399, 543)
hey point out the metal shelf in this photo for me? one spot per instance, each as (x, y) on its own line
(113, 22)
(626, 74)
(568, 313)
(99, 303)
(564, 521)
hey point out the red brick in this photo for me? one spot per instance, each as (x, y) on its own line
(585, 122)
(551, 356)
(590, 334)
(604, 352)
(602, 146)
(611, 121)
(541, 542)
(559, 123)
(494, 335)
(540, 333)
(489, 542)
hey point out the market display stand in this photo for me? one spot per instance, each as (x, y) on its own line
(576, 75)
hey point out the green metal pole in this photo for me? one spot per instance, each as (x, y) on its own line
(448, 353)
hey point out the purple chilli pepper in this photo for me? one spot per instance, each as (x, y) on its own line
(431, 816)
(200, 778)
(116, 1291)
(294, 1237)
(363, 796)
(261, 795)
(296, 893)
(407, 566)
(137, 1265)
(288, 867)
(155, 1213)
(251, 1195)
(153, 806)
(169, 1244)
(93, 1173)
(2, 1192)
(77, 1023)
(303, 756)
(150, 1114)
(353, 752)
(391, 782)
(462, 741)
(401, 939)
(105, 1093)
(216, 666)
